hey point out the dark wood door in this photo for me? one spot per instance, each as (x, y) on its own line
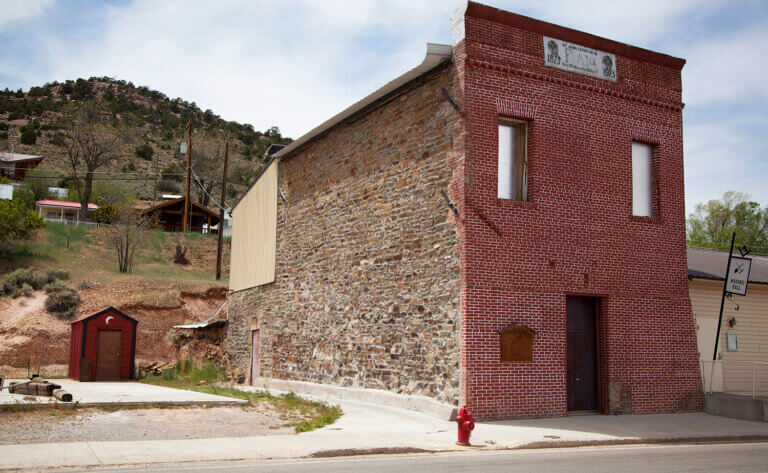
(108, 355)
(582, 353)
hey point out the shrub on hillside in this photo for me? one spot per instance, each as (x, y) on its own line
(54, 274)
(39, 280)
(26, 289)
(167, 186)
(28, 137)
(7, 288)
(56, 286)
(145, 152)
(62, 303)
(19, 277)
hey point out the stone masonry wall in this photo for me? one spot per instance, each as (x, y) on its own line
(367, 281)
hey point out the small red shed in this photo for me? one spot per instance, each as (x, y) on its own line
(103, 346)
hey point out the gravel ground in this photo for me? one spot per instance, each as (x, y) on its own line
(89, 424)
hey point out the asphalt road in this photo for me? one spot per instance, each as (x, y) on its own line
(729, 457)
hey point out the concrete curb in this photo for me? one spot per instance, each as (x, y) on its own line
(421, 404)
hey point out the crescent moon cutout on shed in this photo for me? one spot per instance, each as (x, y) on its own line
(107, 320)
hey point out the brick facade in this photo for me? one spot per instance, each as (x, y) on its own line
(576, 234)
(380, 285)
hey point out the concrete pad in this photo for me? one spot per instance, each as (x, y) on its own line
(122, 392)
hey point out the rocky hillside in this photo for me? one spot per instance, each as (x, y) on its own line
(151, 126)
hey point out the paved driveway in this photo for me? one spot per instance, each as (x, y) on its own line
(121, 392)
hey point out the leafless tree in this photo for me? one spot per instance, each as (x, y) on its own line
(89, 144)
(125, 236)
(207, 162)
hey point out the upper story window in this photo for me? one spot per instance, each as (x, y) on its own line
(642, 180)
(512, 172)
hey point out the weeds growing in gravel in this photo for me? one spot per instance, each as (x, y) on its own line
(202, 378)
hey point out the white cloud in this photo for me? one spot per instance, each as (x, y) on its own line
(14, 11)
(727, 69)
(293, 63)
(724, 154)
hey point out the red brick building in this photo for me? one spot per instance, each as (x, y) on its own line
(502, 227)
(575, 233)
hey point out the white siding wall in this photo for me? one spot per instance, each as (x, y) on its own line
(751, 328)
(254, 234)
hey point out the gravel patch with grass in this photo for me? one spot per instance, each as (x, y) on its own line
(95, 424)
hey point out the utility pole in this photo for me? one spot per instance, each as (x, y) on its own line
(189, 170)
(221, 213)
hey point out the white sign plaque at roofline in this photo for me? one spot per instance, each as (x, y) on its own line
(579, 59)
(738, 275)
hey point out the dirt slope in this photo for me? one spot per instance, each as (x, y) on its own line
(29, 334)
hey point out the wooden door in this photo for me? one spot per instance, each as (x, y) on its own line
(254, 355)
(108, 355)
(582, 353)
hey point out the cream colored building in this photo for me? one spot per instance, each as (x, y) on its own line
(743, 346)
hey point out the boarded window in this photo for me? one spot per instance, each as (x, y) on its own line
(512, 161)
(517, 344)
(642, 179)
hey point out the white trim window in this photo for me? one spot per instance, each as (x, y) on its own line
(512, 173)
(642, 179)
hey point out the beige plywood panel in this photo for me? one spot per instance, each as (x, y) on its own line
(254, 234)
(751, 329)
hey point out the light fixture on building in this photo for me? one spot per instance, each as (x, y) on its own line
(732, 321)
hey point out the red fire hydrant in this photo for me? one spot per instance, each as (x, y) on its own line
(466, 425)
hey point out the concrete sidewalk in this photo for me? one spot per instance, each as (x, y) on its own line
(119, 392)
(373, 428)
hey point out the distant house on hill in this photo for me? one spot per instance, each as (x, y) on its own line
(14, 165)
(169, 214)
(64, 212)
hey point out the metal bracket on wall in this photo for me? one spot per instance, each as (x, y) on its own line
(450, 99)
(450, 203)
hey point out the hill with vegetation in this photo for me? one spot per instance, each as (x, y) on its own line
(150, 126)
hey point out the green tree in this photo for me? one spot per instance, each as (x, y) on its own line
(35, 187)
(114, 193)
(712, 224)
(107, 214)
(17, 222)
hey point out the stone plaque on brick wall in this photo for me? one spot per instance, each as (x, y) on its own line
(579, 59)
(516, 344)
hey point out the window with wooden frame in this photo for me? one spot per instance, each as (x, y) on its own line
(643, 202)
(513, 150)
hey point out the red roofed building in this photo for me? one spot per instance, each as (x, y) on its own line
(63, 211)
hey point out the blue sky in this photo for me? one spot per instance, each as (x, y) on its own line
(295, 63)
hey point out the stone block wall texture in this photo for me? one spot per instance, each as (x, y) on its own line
(576, 234)
(367, 287)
